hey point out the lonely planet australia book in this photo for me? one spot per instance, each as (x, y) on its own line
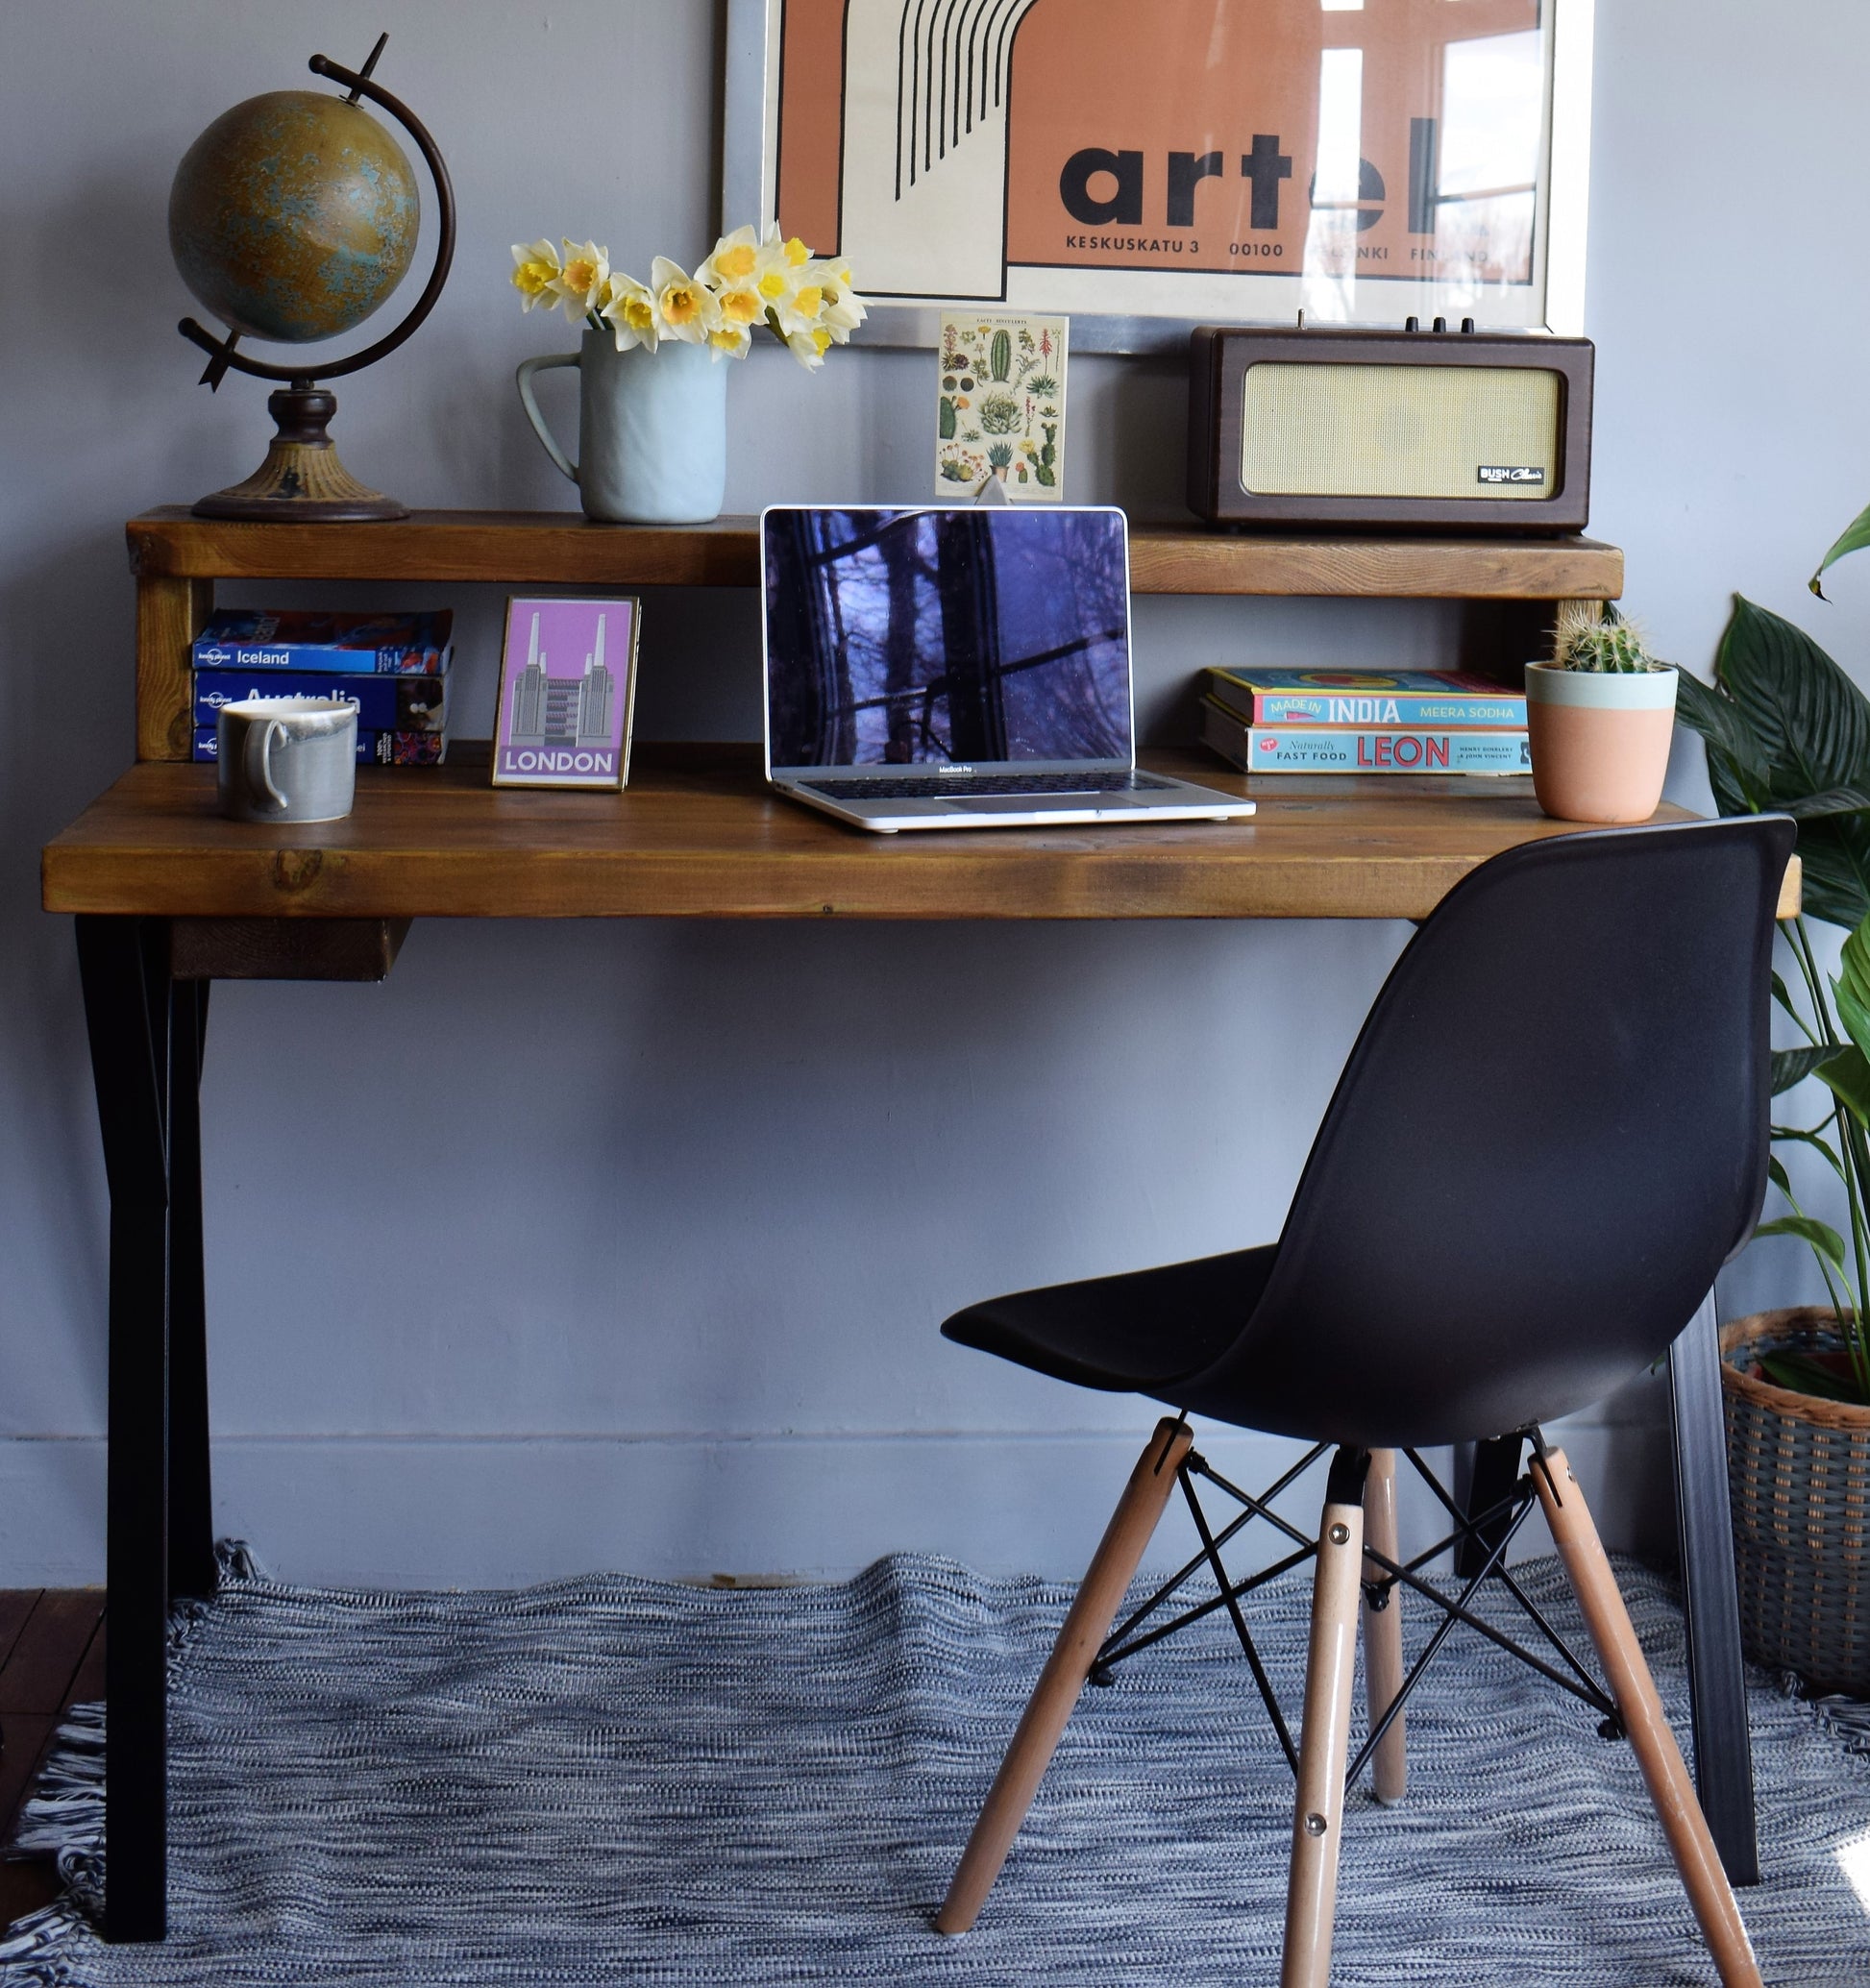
(368, 645)
(1427, 699)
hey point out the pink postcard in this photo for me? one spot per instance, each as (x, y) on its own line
(567, 687)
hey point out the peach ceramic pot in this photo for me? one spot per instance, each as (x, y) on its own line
(1600, 743)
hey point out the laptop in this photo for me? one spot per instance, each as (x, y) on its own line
(958, 668)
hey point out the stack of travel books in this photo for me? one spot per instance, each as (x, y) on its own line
(392, 666)
(1364, 722)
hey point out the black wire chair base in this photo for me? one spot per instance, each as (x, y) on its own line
(1489, 1532)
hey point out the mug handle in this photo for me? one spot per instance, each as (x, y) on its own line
(260, 755)
(524, 380)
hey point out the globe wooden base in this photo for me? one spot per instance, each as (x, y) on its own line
(302, 480)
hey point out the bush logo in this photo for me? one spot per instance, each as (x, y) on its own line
(1511, 473)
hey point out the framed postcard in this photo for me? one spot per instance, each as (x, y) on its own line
(567, 690)
(1145, 167)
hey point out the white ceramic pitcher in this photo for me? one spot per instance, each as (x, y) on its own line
(651, 430)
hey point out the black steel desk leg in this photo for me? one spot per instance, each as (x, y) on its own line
(129, 1042)
(191, 1501)
(1711, 1601)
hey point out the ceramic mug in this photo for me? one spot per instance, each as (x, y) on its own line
(288, 759)
(651, 430)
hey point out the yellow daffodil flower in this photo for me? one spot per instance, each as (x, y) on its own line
(841, 310)
(732, 261)
(579, 284)
(535, 270)
(730, 341)
(809, 347)
(684, 308)
(630, 310)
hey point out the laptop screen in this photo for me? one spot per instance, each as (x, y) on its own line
(947, 637)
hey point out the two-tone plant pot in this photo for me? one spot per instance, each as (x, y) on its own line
(1600, 741)
(1799, 1478)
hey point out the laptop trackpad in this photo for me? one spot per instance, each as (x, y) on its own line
(1026, 804)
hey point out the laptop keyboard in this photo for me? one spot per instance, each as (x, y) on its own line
(962, 786)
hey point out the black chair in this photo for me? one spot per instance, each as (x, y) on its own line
(1550, 1135)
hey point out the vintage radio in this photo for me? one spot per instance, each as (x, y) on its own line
(1462, 431)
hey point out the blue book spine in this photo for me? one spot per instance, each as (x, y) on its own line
(1402, 710)
(1344, 749)
(324, 656)
(384, 703)
(374, 748)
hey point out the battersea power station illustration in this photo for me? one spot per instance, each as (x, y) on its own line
(563, 713)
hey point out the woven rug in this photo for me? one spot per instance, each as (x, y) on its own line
(616, 1781)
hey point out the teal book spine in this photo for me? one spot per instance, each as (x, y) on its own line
(1261, 749)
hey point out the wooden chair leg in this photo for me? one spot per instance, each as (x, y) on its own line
(1641, 1712)
(1383, 1648)
(1099, 1595)
(1324, 1740)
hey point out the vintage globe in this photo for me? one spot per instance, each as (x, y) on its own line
(293, 216)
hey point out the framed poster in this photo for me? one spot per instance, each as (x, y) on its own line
(567, 693)
(1147, 164)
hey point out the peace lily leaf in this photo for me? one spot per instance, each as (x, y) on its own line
(1835, 884)
(1811, 721)
(1833, 800)
(1824, 1239)
(1780, 995)
(1856, 536)
(1847, 1075)
(1804, 1375)
(1794, 1065)
(1856, 964)
(1737, 767)
(1776, 1173)
(1807, 1138)
(1853, 1014)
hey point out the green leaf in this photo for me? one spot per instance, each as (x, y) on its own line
(1783, 999)
(1824, 1239)
(1856, 963)
(1847, 1076)
(1811, 721)
(1804, 1375)
(1833, 800)
(1835, 877)
(1855, 536)
(1776, 1173)
(1853, 1012)
(1736, 766)
(1794, 1065)
(1809, 1138)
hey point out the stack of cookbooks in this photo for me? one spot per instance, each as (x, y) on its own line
(1364, 722)
(392, 666)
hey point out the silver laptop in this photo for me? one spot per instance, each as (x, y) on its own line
(958, 668)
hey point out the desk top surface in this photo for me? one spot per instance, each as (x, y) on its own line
(697, 835)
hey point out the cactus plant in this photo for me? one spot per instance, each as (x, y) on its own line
(999, 456)
(1606, 646)
(947, 419)
(1000, 356)
(999, 414)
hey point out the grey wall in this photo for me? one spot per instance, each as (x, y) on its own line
(671, 1306)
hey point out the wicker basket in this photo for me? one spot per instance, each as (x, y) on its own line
(1799, 1471)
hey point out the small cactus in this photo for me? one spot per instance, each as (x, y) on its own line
(1000, 354)
(1607, 647)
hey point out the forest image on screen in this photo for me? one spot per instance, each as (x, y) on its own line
(947, 637)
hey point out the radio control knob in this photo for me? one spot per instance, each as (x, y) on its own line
(1467, 326)
(1442, 324)
(1412, 324)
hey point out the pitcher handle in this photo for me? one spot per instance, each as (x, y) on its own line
(524, 379)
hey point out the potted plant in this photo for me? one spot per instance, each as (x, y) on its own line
(1786, 729)
(1598, 718)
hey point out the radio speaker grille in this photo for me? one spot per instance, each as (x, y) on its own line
(1329, 430)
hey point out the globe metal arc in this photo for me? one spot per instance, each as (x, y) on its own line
(299, 251)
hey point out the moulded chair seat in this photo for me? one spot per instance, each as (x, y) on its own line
(1140, 1333)
(1550, 1135)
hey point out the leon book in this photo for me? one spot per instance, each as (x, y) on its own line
(1299, 748)
(1406, 700)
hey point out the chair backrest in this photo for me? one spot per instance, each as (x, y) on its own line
(1550, 1135)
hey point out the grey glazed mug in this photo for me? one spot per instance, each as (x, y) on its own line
(288, 759)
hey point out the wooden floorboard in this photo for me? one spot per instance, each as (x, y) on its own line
(50, 1656)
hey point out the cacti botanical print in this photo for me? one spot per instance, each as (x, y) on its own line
(1000, 408)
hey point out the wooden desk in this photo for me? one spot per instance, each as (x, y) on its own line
(168, 896)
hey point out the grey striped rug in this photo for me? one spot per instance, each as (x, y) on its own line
(615, 1781)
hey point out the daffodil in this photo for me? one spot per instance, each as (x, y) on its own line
(841, 310)
(730, 341)
(731, 264)
(535, 272)
(630, 310)
(685, 309)
(809, 347)
(581, 278)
